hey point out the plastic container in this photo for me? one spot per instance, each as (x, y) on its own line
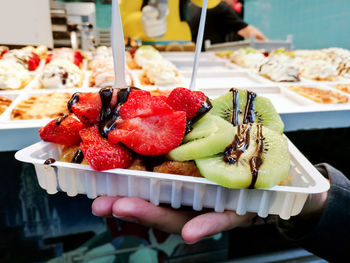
(176, 190)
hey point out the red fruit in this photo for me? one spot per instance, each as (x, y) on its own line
(140, 103)
(48, 58)
(63, 130)
(182, 99)
(78, 58)
(33, 62)
(151, 135)
(88, 107)
(101, 154)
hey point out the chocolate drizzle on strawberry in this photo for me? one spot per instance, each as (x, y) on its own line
(60, 119)
(74, 99)
(206, 106)
(108, 115)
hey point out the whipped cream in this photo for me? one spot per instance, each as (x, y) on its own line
(319, 70)
(146, 54)
(12, 75)
(248, 58)
(20, 56)
(161, 72)
(60, 73)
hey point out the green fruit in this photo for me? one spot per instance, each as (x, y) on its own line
(265, 112)
(210, 135)
(273, 169)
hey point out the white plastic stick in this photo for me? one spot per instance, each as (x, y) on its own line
(199, 43)
(118, 47)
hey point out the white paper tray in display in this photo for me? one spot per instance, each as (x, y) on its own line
(175, 190)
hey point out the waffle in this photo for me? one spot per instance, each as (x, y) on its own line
(4, 104)
(343, 87)
(42, 106)
(322, 96)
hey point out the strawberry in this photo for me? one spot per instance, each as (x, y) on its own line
(182, 99)
(63, 130)
(33, 62)
(140, 103)
(151, 135)
(48, 58)
(78, 58)
(87, 106)
(100, 153)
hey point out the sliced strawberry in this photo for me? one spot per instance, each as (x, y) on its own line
(63, 130)
(100, 153)
(140, 103)
(182, 99)
(151, 135)
(87, 106)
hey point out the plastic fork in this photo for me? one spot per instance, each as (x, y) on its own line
(118, 47)
(199, 43)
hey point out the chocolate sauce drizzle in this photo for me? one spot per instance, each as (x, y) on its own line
(109, 116)
(206, 106)
(249, 114)
(235, 96)
(74, 99)
(241, 140)
(256, 161)
(78, 157)
(60, 119)
(49, 161)
(240, 143)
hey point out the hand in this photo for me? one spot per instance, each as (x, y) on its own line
(249, 30)
(192, 225)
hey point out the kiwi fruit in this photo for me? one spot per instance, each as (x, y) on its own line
(210, 135)
(264, 112)
(261, 160)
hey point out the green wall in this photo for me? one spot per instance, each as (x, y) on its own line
(313, 23)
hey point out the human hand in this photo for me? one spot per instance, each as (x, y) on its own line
(192, 225)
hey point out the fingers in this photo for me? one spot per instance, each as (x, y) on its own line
(102, 206)
(212, 223)
(140, 211)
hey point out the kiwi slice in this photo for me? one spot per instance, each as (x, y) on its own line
(258, 159)
(261, 108)
(210, 135)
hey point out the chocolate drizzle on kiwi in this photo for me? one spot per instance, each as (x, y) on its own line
(241, 140)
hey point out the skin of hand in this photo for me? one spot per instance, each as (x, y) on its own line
(192, 225)
(251, 30)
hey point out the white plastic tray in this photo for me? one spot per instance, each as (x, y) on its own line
(175, 190)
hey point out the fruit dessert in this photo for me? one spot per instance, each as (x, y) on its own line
(143, 55)
(74, 56)
(319, 70)
(28, 59)
(281, 66)
(61, 74)
(13, 75)
(235, 140)
(248, 58)
(160, 73)
(4, 104)
(102, 73)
